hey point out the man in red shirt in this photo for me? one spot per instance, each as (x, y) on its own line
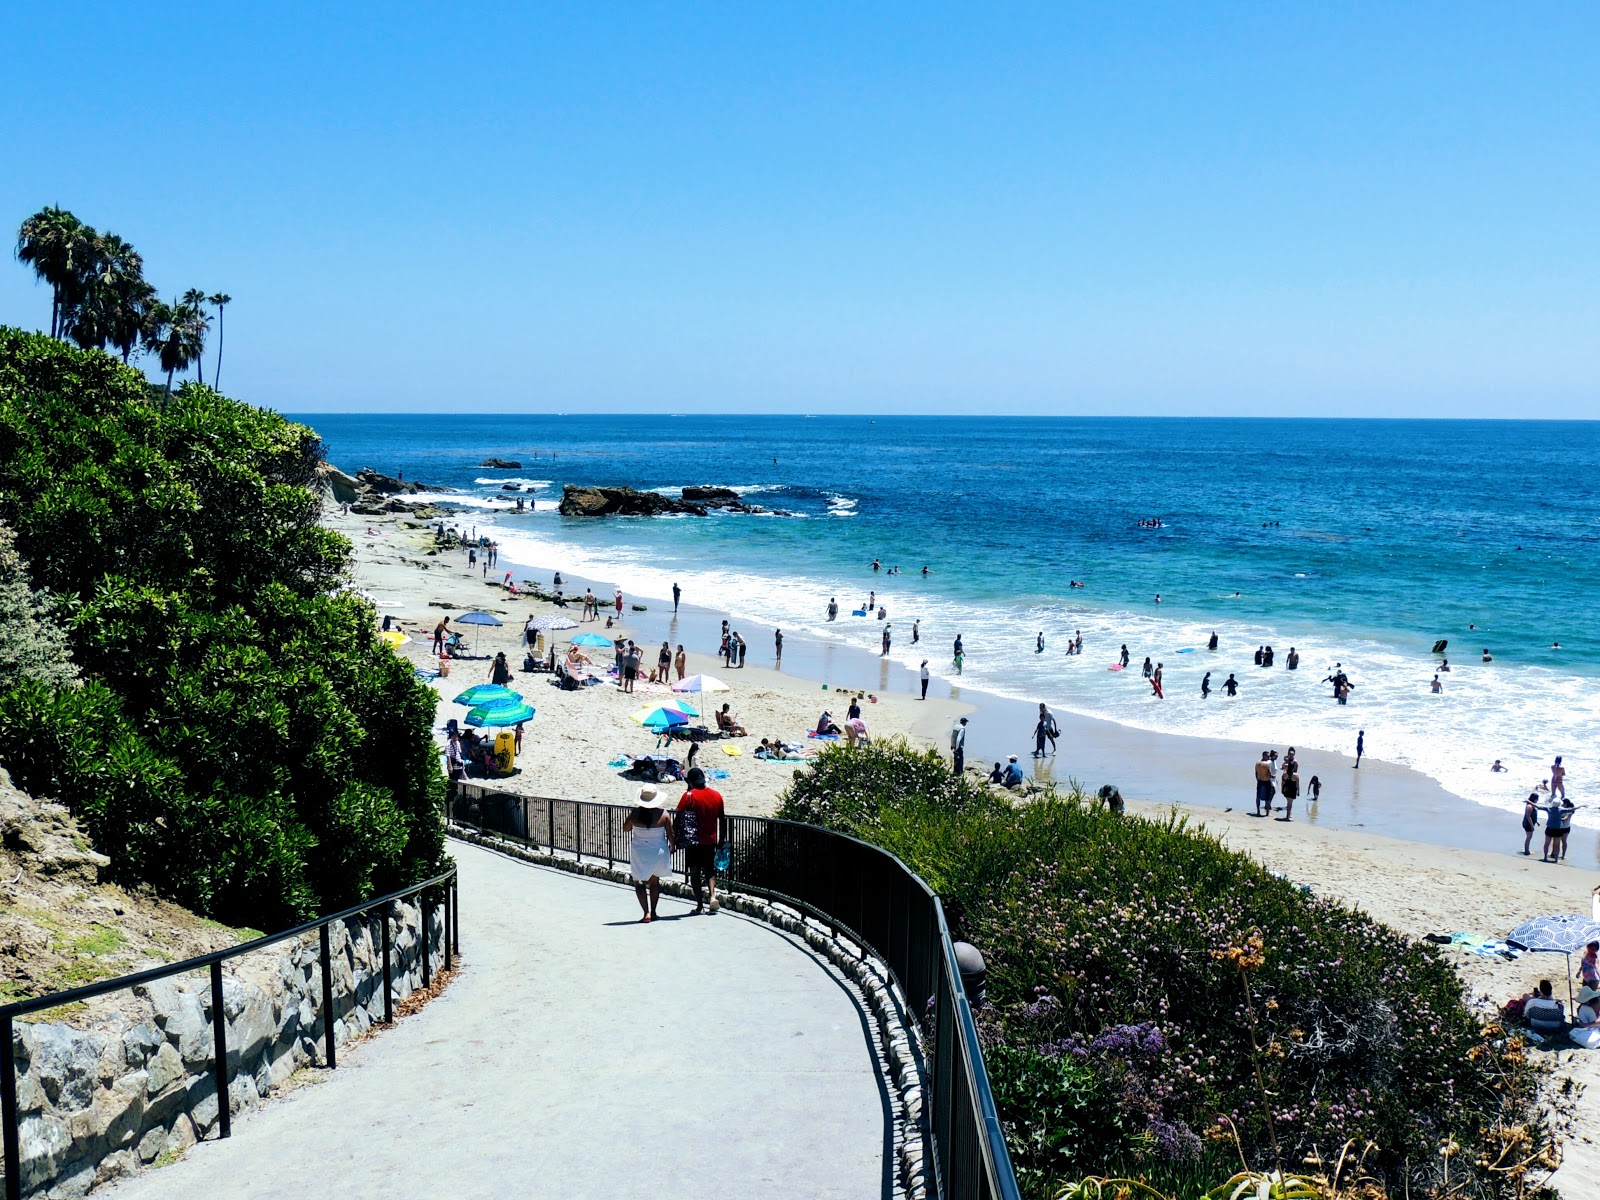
(699, 828)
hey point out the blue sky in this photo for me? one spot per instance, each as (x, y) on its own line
(1185, 209)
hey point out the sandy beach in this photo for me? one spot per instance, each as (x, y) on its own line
(1420, 885)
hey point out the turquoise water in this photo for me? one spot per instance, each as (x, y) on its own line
(1357, 542)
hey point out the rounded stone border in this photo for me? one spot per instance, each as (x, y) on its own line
(898, 1048)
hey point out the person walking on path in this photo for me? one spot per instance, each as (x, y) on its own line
(677, 593)
(1558, 779)
(924, 676)
(1530, 823)
(649, 831)
(1361, 745)
(700, 830)
(958, 746)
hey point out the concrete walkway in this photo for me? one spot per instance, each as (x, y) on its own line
(581, 1054)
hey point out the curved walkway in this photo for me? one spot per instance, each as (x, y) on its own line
(577, 1054)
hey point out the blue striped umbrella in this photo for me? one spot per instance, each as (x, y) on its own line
(492, 715)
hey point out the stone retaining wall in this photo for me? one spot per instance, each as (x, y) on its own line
(100, 1102)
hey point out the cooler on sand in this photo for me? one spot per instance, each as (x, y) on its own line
(505, 751)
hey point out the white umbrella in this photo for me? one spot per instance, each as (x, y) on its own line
(701, 683)
(554, 621)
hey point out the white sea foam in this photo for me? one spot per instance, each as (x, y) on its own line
(505, 502)
(516, 479)
(1521, 715)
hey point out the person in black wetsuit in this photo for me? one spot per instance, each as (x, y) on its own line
(1212, 644)
(1205, 686)
(1231, 686)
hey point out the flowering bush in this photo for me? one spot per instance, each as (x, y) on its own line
(1155, 996)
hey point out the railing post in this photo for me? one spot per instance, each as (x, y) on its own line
(610, 825)
(577, 827)
(455, 911)
(424, 916)
(446, 925)
(550, 819)
(8, 1110)
(219, 1029)
(328, 1055)
(388, 971)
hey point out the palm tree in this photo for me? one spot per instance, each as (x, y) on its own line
(114, 295)
(220, 300)
(192, 308)
(58, 246)
(175, 334)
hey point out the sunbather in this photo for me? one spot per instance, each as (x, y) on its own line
(727, 725)
(1543, 1012)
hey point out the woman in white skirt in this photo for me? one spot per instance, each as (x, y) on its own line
(649, 828)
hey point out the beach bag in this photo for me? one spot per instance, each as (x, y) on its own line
(724, 857)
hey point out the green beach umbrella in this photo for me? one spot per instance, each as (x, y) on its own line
(492, 715)
(485, 693)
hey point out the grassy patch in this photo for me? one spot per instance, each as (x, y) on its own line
(101, 939)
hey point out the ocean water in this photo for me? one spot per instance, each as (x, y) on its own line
(1356, 542)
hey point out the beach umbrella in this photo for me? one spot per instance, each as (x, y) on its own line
(553, 621)
(664, 716)
(1558, 933)
(477, 618)
(701, 683)
(393, 638)
(592, 639)
(487, 693)
(508, 714)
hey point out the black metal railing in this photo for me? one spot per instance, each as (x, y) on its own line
(443, 889)
(863, 893)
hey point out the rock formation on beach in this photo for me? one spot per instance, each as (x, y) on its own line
(620, 501)
(369, 493)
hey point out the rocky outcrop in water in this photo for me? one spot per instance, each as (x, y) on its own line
(620, 502)
(705, 494)
(371, 493)
(501, 464)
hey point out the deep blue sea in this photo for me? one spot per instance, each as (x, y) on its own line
(1357, 542)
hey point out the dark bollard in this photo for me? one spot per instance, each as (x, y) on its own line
(973, 972)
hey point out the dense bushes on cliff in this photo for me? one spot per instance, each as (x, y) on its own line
(1140, 973)
(240, 741)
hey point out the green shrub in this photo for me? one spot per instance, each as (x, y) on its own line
(1127, 947)
(243, 743)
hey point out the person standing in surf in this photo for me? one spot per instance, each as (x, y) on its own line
(1530, 824)
(1205, 686)
(677, 593)
(1361, 745)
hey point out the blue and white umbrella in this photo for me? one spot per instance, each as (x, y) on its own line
(1559, 933)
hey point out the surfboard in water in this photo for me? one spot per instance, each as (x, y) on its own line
(1114, 667)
